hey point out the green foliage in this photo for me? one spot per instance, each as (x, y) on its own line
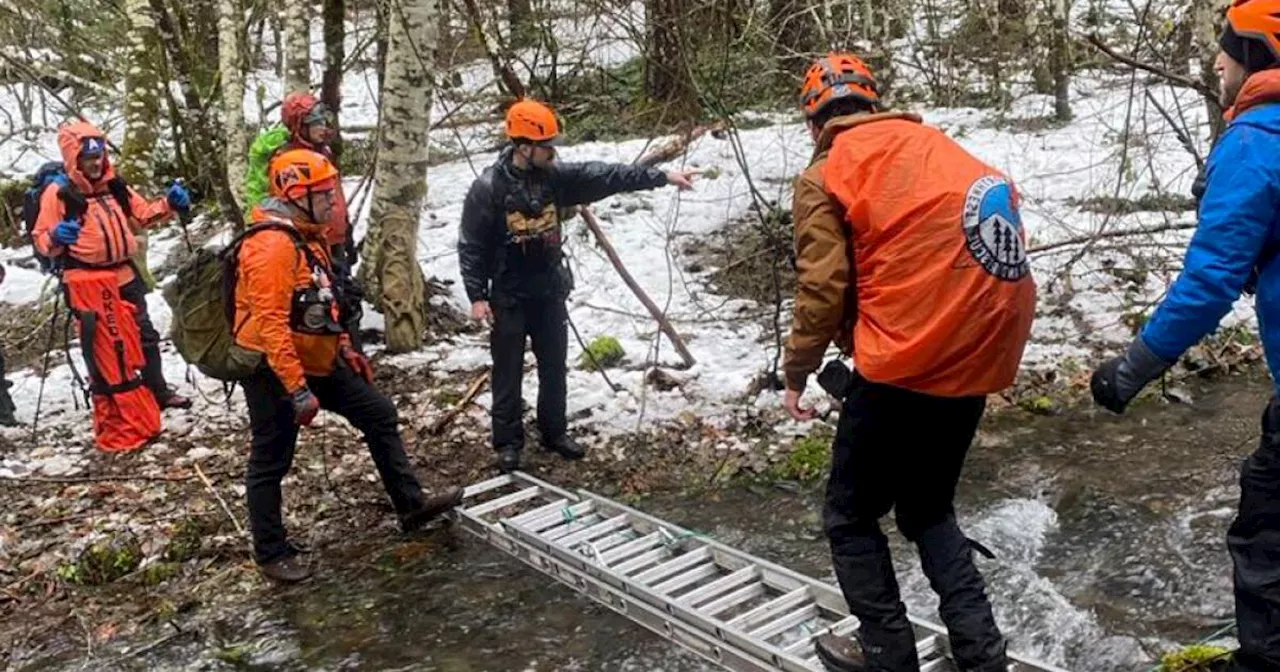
(103, 562)
(809, 459)
(604, 351)
(1195, 658)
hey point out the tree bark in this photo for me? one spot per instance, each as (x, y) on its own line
(1207, 16)
(392, 278)
(190, 118)
(335, 32)
(142, 97)
(297, 46)
(1060, 60)
(236, 143)
(520, 20)
(667, 75)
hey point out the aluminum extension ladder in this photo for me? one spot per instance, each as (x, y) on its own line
(733, 609)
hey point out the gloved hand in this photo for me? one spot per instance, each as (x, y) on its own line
(358, 363)
(178, 198)
(67, 232)
(1120, 379)
(305, 407)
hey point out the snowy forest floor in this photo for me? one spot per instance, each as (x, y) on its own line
(1116, 168)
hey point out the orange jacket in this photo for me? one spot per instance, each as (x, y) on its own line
(106, 236)
(271, 269)
(945, 297)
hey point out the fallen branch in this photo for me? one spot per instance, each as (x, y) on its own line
(72, 480)
(663, 322)
(477, 385)
(1200, 87)
(221, 501)
(1109, 234)
(678, 145)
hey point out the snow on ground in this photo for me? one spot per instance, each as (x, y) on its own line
(1081, 308)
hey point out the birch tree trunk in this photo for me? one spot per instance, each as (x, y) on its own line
(1060, 62)
(235, 144)
(141, 113)
(297, 46)
(389, 268)
(1207, 16)
(142, 97)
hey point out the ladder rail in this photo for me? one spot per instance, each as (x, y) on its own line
(647, 562)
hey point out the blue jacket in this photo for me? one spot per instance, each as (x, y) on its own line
(1239, 229)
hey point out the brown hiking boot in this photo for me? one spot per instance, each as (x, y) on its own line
(174, 400)
(431, 507)
(840, 654)
(288, 569)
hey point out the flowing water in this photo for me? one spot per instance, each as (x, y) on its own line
(1109, 536)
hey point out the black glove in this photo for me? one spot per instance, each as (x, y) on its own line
(1120, 379)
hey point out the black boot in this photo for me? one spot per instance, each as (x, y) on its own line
(431, 508)
(946, 556)
(6, 406)
(566, 447)
(508, 459)
(288, 569)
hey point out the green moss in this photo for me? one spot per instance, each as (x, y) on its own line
(809, 459)
(604, 351)
(103, 562)
(160, 572)
(186, 541)
(1195, 658)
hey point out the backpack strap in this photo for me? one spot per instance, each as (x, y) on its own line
(120, 190)
(231, 257)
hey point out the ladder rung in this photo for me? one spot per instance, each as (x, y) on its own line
(792, 620)
(615, 540)
(594, 532)
(703, 571)
(937, 665)
(504, 501)
(719, 586)
(572, 527)
(658, 554)
(486, 486)
(543, 510)
(928, 645)
(733, 599)
(629, 549)
(673, 566)
(843, 627)
(558, 517)
(769, 609)
(795, 648)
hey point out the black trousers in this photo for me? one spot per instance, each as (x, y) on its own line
(6, 401)
(544, 323)
(275, 436)
(135, 292)
(903, 450)
(1254, 543)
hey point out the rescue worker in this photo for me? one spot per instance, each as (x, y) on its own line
(286, 310)
(514, 270)
(1237, 236)
(312, 126)
(102, 237)
(7, 407)
(916, 246)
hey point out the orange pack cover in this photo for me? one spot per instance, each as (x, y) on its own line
(125, 413)
(945, 293)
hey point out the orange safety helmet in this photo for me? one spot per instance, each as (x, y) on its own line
(1258, 20)
(297, 173)
(837, 76)
(531, 122)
